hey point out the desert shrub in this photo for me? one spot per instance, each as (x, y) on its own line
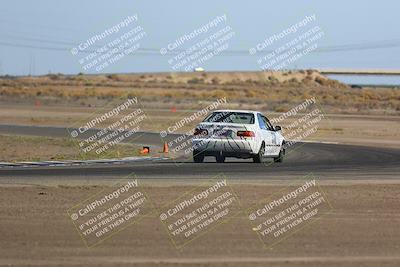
(320, 81)
(195, 81)
(54, 77)
(251, 94)
(218, 94)
(329, 83)
(273, 80)
(215, 80)
(113, 77)
(281, 109)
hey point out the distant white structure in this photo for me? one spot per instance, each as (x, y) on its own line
(198, 69)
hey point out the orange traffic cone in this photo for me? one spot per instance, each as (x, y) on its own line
(166, 149)
(145, 150)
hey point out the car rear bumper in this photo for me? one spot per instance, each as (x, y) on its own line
(225, 146)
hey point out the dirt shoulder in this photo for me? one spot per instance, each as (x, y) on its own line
(361, 230)
(36, 148)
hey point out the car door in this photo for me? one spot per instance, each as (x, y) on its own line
(276, 138)
(265, 133)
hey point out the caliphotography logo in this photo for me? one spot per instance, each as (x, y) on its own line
(204, 133)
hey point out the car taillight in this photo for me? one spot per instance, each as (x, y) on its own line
(246, 133)
(202, 132)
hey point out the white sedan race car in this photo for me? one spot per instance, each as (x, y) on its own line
(240, 134)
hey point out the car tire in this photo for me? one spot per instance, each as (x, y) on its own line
(220, 158)
(259, 157)
(279, 158)
(198, 158)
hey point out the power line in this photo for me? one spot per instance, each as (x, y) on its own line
(155, 51)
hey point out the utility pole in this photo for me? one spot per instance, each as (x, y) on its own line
(33, 65)
(30, 65)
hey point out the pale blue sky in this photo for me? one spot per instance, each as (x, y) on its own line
(36, 36)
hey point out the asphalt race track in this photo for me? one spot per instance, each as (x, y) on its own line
(325, 160)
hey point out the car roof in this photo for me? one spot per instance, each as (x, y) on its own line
(236, 110)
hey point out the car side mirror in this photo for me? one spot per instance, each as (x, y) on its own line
(278, 128)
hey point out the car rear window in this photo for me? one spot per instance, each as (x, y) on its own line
(231, 117)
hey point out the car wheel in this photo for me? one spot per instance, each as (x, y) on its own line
(279, 158)
(259, 158)
(198, 158)
(220, 158)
